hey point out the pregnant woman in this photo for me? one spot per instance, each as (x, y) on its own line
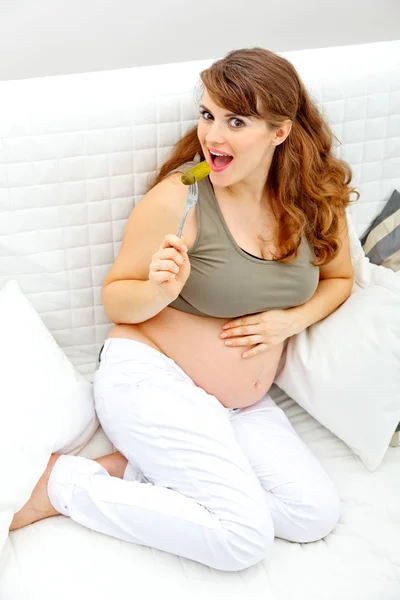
(208, 467)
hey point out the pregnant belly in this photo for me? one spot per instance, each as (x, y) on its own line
(194, 344)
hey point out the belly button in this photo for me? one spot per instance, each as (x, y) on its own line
(257, 384)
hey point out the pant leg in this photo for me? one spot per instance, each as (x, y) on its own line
(201, 501)
(301, 498)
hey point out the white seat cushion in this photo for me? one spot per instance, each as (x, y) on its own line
(360, 559)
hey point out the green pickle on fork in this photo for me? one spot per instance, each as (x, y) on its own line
(196, 173)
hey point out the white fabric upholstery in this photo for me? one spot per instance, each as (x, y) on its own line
(76, 153)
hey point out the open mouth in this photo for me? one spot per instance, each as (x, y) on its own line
(219, 161)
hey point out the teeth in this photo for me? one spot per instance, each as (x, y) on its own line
(216, 154)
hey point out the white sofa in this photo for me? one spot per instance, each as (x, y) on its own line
(76, 153)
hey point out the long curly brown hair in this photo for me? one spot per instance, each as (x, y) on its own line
(307, 186)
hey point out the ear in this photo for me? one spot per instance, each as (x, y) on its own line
(282, 132)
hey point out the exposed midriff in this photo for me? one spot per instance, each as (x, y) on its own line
(194, 344)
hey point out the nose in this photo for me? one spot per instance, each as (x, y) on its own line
(215, 134)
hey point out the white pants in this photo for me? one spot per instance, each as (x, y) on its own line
(203, 482)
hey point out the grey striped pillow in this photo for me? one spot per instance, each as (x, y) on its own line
(381, 241)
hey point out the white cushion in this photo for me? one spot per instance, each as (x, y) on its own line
(345, 369)
(45, 404)
(80, 154)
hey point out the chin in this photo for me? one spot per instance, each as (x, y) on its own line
(218, 181)
(222, 179)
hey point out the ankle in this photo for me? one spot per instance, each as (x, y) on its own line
(115, 464)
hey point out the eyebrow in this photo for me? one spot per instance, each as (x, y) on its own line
(227, 114)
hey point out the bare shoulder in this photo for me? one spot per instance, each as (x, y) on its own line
(159, 210)
(158, 213)
(169, 194)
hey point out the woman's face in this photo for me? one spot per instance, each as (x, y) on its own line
(246, 143)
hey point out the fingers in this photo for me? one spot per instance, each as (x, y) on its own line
(174, 241)
(164, 265)
(249, 340)
(256, 350)
(159, 277)
(167, 261)
(170, 254)
(250, 320)
(244, 330)
(161, 271)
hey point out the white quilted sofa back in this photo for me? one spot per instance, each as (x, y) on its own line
(78, 151)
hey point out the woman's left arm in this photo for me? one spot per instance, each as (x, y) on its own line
(335, 284)
(265, 330)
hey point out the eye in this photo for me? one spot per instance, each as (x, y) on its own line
(236, 123)
(206, 115)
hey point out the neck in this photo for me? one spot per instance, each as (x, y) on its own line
(251, 190)
(248, 193)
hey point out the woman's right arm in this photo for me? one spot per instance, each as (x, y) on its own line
(151, 267)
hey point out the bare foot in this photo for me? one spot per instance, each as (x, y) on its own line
(38, 506)
(114, 463)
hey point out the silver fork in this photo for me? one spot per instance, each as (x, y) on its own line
(193, 196)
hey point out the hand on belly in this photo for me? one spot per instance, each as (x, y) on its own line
(194, 343)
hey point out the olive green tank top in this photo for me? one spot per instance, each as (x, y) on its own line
(225, 281)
